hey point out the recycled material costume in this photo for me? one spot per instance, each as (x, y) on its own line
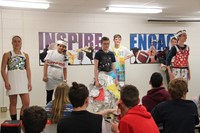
(180, 65)
(17, 74)
(106, 96)
(56, 63)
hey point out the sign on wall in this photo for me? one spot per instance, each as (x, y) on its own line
(149, 47)
(80, 48)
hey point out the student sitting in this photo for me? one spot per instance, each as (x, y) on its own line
(134, 117)
(60, 106)
(34, 119)
(177, 115)
(157, 93)
(80, 120)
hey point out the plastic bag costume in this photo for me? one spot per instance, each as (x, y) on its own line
(106, 96)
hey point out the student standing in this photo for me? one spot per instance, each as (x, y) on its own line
(18, 77)
(55, 68)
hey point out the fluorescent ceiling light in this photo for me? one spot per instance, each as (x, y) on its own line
(133, 10)
(23, 4)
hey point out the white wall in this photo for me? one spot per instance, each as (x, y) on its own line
(27, 24)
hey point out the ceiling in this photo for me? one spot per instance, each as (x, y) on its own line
(171, 8)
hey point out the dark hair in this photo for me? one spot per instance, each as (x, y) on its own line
(178, 88)
(180, 34)
(34, 119)
(129, 95)
(16, 36)
(117, 36)
(78, 94)
(173, 38)
(156, 79)
(104, 39)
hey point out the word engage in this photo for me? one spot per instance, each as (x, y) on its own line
(82, 39)
(144, 41)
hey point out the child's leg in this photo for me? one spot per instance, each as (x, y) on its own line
(25, 103)
(49, 96)
(13, 109)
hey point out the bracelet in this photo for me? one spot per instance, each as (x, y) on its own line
(65, 80)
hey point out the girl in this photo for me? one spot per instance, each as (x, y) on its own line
(55, 70)
(60, 106)
(180, 52)
(18, 77)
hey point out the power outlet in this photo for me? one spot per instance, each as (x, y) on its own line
(4, 109)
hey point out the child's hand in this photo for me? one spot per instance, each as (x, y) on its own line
(116, 82)
(97, 84)
(7, 86)
(29, 87)
(114, 126)
(107, 111)
(45, 79)
(171, 76)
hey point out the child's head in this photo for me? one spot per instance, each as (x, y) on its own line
(16, 42)
(34, 119)
(181, 35)
(105, 43)
(117, 39)
(173, 41)
(58, 104)
(61, 92)
(156, 80)
(178, 88)
(61, 45)
(78, 95)
(129, 97)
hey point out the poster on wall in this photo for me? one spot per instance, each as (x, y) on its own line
(80, 50)
(149, 47)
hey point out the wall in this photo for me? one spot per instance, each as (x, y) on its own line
(28, 23)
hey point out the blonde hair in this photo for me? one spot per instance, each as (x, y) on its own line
(58, 104)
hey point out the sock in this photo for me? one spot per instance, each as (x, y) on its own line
(21, 117)
(13, 117)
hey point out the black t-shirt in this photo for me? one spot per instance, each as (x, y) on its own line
(105, 60)
(177, 116)
(80, 122)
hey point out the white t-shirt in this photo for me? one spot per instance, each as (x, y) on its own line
(121, 51)
(56, 62)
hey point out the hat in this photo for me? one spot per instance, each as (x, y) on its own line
(61, 42)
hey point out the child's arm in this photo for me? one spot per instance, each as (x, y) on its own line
(28, 72)
(113, 69)
(65, 74)
(45, 79)
(96, 72)
(3, 70)
(189, 73)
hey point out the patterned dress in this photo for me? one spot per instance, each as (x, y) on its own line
(17, 75)
(180, 64)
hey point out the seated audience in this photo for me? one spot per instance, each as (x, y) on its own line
(60, 106)
(134, 118)
(177, 115)
(80, 120)
(34, 119)
(157, 93)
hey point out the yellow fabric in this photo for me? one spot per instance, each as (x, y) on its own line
(116, 51)
(113, 89)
